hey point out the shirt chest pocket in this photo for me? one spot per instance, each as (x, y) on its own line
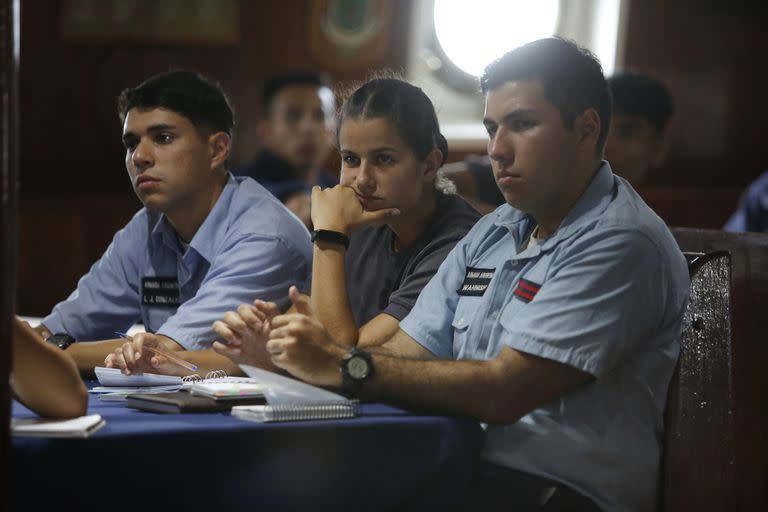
(464, 327)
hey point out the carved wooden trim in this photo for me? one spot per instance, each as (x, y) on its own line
(347, 35)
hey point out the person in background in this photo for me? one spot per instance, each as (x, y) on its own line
(382, 233)
(555, 321)
(44, 378)
(637, 141)
(297, 110)
(752, 212)
(204, 242)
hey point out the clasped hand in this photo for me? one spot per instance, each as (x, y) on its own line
(295, 342)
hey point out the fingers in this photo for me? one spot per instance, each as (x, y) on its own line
(266, 310)
(300, 301)
(376, 216)
(227, 350)
(225, 332)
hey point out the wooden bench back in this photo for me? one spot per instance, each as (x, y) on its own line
(716, 424)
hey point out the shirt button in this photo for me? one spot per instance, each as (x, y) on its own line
(495, 315)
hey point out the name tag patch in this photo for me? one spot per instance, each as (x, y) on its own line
(526, 290)
(160, 291)
(476, 281)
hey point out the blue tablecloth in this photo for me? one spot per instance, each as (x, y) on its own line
(385, 459)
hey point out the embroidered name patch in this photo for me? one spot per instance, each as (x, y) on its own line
(160, 291)
(476, 281)
(526, 290)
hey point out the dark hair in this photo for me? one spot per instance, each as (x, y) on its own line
(187, 93)
(405, 106)
(572, 78)
(280, 81)
(637, 94)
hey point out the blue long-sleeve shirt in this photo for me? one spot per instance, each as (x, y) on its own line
(250, 246)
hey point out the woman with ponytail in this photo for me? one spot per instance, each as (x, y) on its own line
(381, 234)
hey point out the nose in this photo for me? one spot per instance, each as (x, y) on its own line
(142, 158)
(309, 123)
(499, 148)
(365, 181)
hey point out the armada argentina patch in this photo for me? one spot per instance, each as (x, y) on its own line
(476, 281)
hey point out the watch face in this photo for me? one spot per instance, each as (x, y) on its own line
(357, 368)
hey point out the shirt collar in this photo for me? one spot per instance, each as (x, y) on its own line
(592, 203)
(209, 233)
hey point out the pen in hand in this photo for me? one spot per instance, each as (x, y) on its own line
(172, 358)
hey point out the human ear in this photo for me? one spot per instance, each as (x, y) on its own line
(587, 126)
(219, 145)
(432, 164)
(660, 149)
(263, 130)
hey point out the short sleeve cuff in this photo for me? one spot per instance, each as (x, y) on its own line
(397, 310)
(423, 337)
(587, 362)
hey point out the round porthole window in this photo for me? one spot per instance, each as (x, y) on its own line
(468, 35)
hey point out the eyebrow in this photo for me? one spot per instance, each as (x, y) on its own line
(511, 116)
(374, 150)
(153, 129)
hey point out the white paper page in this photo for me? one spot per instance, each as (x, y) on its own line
(76, 427)
(113, 377)
(280, 390)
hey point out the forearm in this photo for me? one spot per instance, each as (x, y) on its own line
(329, 298)
(207, 361)
(87, 355)
(500, 390)
(45, 379)
(474, 388)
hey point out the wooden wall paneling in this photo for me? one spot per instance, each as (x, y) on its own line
(9, 71)
(59, 241)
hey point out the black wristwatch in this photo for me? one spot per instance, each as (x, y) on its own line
(61, 340)
(356, 369)
(334, 237)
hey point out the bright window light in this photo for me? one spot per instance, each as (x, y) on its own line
(472, 34)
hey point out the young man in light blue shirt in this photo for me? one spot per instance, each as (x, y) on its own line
(555, 321)
(204, 242)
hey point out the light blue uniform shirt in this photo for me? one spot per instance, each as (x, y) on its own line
(606, 294)
(250, 246)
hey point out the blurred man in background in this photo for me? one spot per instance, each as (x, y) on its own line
(297, 115)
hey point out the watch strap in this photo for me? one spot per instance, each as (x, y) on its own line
(61, 340)
(334, 237)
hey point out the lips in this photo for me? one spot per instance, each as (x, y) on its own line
(143, 178)
(505, 180)
(146, 183)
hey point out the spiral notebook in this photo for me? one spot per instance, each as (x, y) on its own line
(116, 384)
(292, 400)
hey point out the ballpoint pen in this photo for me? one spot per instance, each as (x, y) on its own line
(172, 358)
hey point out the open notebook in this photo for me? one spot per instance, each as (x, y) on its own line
(292, 400)
(113, 381)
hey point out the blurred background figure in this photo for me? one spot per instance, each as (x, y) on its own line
(297, 112)
(752, 212)
(637, 140)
